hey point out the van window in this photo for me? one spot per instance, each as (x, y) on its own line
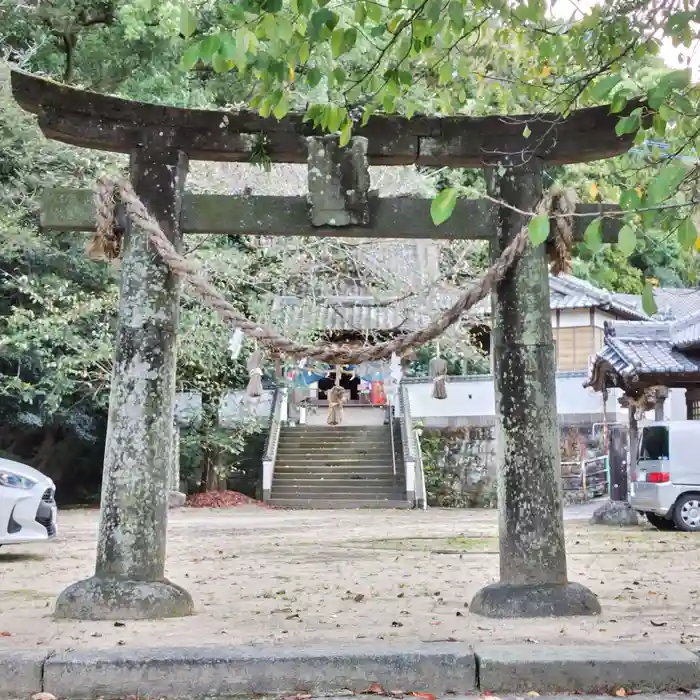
(654, 443)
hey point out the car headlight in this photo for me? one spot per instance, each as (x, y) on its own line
(16, 481)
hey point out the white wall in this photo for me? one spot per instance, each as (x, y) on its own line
(470, 400)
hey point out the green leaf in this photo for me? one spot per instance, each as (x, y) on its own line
(602, 88)
(627, 240)
(666, 183)
(285, 30)
(360, 13)
(618, 103)
(345, 134)
(188, 21)
(455, 11)
(593, 236)
(190, 56)
(313, 77)
(338, 43)
(350, 38)
(659, 125)
(336, 116)
(630, 199)
(281, 109)
(443, 205)
(374, 12)
(648, 301)
(219, 63)
(538, 229)
(687, 234)
(628, 124)
(445, 73)
(675, 80)
(208, 47)
(527, 131)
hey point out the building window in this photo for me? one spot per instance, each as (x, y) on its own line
(694, 410)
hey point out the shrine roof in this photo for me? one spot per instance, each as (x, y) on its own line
(648, 353)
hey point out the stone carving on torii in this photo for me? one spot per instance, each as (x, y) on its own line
(129, 580)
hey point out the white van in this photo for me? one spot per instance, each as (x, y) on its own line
(666, 481)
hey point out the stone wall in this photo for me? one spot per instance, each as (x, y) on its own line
(460, 464)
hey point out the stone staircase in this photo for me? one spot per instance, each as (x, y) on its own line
(338, 467)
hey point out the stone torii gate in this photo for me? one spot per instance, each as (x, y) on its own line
(129, 580)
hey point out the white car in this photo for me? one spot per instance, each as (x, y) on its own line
(27, 506)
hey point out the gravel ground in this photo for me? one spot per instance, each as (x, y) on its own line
(273, 576)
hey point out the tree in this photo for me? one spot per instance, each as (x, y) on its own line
(342, 63)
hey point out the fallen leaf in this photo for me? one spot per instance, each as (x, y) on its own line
(657, 624)
(534, 694)
(374, 689)
(396, 624)
(359, 597)
(5, 634)
(43, 696)
(620, 693)
(425, 696)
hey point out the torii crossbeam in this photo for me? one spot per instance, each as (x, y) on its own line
(129, 576)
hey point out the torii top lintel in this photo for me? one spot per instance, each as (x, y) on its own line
(108, 123)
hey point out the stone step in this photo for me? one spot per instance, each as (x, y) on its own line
(320, 472)
(340, 494)
(312, 478)
(335, 504)
(334, 442)
(331, 461)
(339, 485)
(340, 450)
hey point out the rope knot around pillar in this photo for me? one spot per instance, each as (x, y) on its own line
(106, 244)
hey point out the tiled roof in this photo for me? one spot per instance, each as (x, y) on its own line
(359, 313)
(569, 292)
(634, 349)
(677, 303)
(671, 303)
(685, 332)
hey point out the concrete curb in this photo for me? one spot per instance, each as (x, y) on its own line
(586, 669)
(437, 668)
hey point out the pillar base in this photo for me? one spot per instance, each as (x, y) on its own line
(507, 600)
(119, 599)
(176, 499)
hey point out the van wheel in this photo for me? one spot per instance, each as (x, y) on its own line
(659, 522)
(686, 514)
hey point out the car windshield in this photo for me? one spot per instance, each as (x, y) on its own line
(654, 443)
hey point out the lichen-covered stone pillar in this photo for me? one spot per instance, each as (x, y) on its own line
(533, 579)
(129, 580)
(338, 181)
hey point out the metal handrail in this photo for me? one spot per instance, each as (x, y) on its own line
(391, 431)
(274, 428)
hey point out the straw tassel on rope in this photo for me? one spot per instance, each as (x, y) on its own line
(336, 399)
(438, 372)
(255, 373)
